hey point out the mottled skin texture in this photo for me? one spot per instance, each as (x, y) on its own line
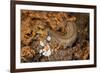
(68, 39)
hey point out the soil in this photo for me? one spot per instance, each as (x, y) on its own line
(68, 36)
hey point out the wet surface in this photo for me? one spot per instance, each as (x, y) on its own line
(54, 36)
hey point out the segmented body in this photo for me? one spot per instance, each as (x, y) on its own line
(68, 39)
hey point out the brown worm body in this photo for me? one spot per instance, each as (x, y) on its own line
(68, 39)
